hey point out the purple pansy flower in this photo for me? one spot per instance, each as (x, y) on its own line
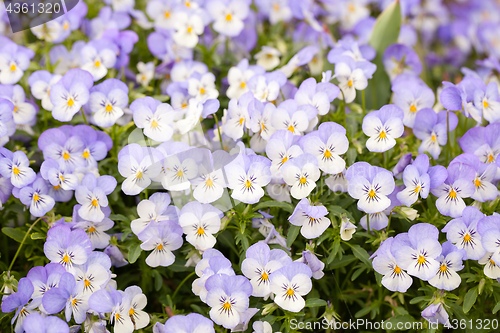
(432, 129)
(436, 314)
(483, 181)
(450, 262)
(107, 101)
(67, 247)
(138, 165)
(484, 142)
(301, 173)
(289, 284)
(37, 198)
(190, 323)
(383, 127)
(19, 301)
(92, 195)
(311, 218)
(162, 238)
(458, 185)
(316, 265)
(15, 166)
(70, 94)
(412, 96)
(36, 323)
(401, 59)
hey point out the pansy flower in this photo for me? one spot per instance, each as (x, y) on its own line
(19, 301)
(489, 229)
(417, 251)
(67, 247)
(95, 230)
(383, 127)
(190, 323)
(239, 76)
(138, 165)
(57, 144)
(154, 209)
(411, 96)
(228, 16)
(488, 102)
(15, 166)
(70, 93)
(14, 60)
(312, 261)
(311, 218)
(450, 262)
(97, 57)
(37, 198)
(45, 278)
(117, 304)
(247, 174)
(401, 59)
(210, 182)
(394, 277)
(327, 143)
(92, 195)
(260, 263)
(463, 233)
(37, 323)
(187, 29)
(282, 147)
(107, 101)
(432, 129)
(319, 95)
(137, 303)
(238, 116)
(485, 176)
(292, 117)
(228, 297)
(67, 295)
(289, 284)
(154, 117)
(200, 222)
(301, 173)
(370, 185)
(419, 179)
(24, 109)
(162, 238)
(350, 78)
(213, 262)
(41, 83)
(268, 57)
(457, 186)
(484, 142)
(95, 273)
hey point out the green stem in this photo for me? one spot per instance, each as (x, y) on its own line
(389, 223)
(218, 131)
(22, 243)
(146, 196)
(180, 285)
(363, 103)
(84, 118)
(368, 222)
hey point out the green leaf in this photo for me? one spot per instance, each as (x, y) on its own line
(363, 312)
(496, 308)
(38, 235)
(293, 232)
(386, 29)
(346, 260)
(134, 253)
(158, 279)
(14, 233)
(470, 299)
(361, 254)
(315, 302)
(286, 206)
(357, 273)
(119, 217)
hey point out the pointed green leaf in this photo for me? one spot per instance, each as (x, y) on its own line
(293, 232)
(469, 299)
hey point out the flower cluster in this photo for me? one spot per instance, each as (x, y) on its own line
(281, 157)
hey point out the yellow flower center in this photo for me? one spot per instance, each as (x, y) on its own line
(492, 262)
(167, 14)
(139, 175)
(209, 182)
(109, 108)
(65, 258)
(71, 102)
(242, 120)
(179, 173)
(200, 231)
(276, 7)
(477, 182)
(202, 91)
(433, 137)
(97, 63)
(66, 26)
(226, 306)
(382, 135)
(264, 276)
(13, 67)
(189, 30)
(95, 203)
(74, 301)
(349, 83)
(327, 154)
(372, 194)
(159, 247)
(452, 194)
(467, 238)
(16, 171)
(131, 312)
(154, 124)
(291, 129)
(56, 187)
(397, 270)
(87, 283)
(284, 159)
(91, 229)
(491, 158)
(243, 85)
(66, 156)
(117, 316)
(15, 108)
(413, 108)
(417, 189)
(421, 260)
(485, 104)
(36, 197)
(86, 154)
(351, 8)
(248, 184)
(290, 292)
(303, 180)
(229, 17)
(443, 268)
